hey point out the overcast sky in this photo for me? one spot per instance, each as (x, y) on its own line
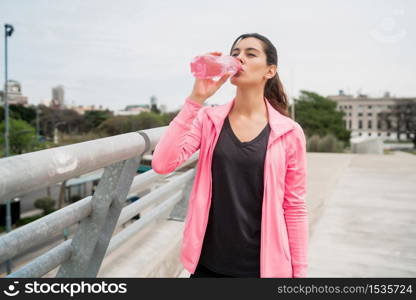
(117, 53)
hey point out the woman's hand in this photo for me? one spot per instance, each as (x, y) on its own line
(205, 88)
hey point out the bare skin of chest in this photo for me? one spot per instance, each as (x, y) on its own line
(245, 129)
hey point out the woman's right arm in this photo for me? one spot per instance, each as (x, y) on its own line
(182, 138)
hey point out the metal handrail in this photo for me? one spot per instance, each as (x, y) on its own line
(98, 215)
(23, 173)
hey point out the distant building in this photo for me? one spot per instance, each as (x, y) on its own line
(46, 102)
(81, 109)
(163, 109)
(140, 107)
(153, 104)
(58, 100)
(132, 110)
(14, 94)
(153, 101)
(361, 114)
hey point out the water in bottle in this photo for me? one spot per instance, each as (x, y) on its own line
(214, 66)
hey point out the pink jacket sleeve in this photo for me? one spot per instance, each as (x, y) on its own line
(294, 203)
(180, 140)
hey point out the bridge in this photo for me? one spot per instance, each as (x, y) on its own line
(361, 211)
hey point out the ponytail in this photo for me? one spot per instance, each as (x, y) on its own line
(274, 92)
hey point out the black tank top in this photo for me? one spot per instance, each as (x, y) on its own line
(231, 243)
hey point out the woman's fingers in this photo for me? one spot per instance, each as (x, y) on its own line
(223, 79)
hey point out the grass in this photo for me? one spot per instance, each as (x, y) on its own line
(22, 222)
(27, 220)
(411, 151)
(67, 139)
(397, 142)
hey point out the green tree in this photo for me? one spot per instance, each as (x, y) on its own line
(27, 114)
(22, 136)
(115, 125)
(401, 118)
(94, 118)
(46, 204)
(146, 120)
(318, 115)
(168, 117)
(124, 124)
(50, 117)
(154, 109)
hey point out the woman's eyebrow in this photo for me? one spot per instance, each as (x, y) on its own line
(246, 49)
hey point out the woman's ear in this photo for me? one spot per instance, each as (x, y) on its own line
(271, 72)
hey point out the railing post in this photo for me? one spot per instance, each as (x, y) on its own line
(91, 240)
(178, 212)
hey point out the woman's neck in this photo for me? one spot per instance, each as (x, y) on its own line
(249, 103)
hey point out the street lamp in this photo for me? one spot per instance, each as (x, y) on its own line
(55, 132)
(37, 122)
(8, 31)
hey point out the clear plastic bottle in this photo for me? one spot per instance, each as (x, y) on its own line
(214, 66)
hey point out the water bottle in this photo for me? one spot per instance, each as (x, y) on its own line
(214, 66)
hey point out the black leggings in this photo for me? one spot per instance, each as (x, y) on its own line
(202, 271)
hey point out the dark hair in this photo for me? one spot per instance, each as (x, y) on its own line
(273, 90)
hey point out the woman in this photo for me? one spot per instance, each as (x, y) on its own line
(247, 213)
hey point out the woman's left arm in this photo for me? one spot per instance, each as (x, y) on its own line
(294, 203)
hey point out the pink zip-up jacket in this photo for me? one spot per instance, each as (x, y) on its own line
(284, 222)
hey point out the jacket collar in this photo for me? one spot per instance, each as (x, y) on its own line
(279, 123)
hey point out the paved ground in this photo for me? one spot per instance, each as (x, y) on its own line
(367, 227)
(324, 172)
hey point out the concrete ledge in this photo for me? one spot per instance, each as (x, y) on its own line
(372, 145)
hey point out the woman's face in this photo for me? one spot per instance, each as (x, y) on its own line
(253, 59)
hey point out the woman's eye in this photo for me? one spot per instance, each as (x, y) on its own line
(250, 54)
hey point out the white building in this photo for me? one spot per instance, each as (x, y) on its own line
(361, 114)
(14, 94)
(132, 110)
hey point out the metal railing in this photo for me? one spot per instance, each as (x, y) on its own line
(99, 215)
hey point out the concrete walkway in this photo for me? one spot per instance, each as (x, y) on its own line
(367, 226)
